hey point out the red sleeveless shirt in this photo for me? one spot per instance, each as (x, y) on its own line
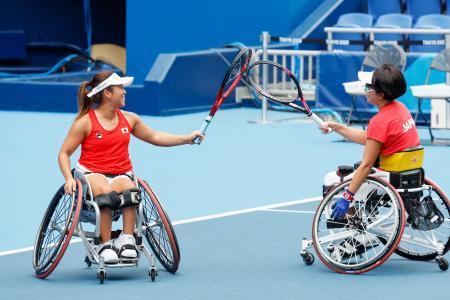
(106, 151)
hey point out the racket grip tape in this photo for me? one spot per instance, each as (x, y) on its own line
(202, 130)
(320, 122)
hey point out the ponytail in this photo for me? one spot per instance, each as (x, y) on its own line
(86, 103)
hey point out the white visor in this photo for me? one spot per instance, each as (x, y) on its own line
(365, 77)
(114, 79)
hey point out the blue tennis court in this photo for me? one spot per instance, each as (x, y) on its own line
(239, 230)
(280, 91)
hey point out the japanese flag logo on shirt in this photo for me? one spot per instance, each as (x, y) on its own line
(124, 130)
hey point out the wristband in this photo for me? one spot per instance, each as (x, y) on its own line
(347, 195)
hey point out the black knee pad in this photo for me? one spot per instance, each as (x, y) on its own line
(111, 200)
(130, 197)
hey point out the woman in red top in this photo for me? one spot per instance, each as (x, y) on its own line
(390, 131)
(103, 131)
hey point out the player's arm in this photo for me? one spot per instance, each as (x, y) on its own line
(158, 138)
(341, 206)
(353, 134)
(371, 152)
(79, 130)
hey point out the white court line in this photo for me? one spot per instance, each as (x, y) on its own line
(290, 211)
(248, 210)
(199, 219)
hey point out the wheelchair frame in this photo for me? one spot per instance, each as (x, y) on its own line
(426, 240)
(150, 218)
(91, 240)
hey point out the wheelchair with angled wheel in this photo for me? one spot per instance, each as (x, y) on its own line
(70, 215)
(392, 212)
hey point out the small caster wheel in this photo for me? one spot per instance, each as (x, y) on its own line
(308, 258)
(87, 261)
(442, 263)
(152, 273)
(101, 275)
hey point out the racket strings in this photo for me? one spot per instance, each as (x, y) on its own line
(274, 82)
(236, 70)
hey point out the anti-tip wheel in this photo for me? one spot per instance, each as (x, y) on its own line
(308, 258)
(101, 275)
(442, 263)
(152, 273)
(87, 261)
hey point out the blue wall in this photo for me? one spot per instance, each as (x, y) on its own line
(167, 89)
(155, 27)
(45, 20)
(63, 22)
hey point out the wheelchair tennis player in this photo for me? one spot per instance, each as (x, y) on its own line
(103, 130)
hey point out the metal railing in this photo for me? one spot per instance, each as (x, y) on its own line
(295, 59)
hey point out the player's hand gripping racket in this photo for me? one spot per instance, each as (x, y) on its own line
(230, 81)
(278, 84)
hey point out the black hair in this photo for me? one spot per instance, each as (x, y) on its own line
(389, 80)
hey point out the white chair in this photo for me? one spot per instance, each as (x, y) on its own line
(439, 95)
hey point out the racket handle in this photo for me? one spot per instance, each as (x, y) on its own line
(202, 130)
(320, 122)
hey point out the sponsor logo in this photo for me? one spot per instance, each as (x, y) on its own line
(408, 125)
(98, 135)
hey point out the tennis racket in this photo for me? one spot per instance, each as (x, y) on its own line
(278, 84)
(230, 81)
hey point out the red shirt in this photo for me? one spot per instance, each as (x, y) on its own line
(394, 127)
(106, 151)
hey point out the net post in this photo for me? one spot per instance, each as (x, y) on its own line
(265, 37)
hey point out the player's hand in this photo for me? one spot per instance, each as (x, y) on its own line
(191, 138)
(328, 127)
(70, 186)
(340, 207)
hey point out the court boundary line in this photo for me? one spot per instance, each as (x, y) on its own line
(289, 211)
(199, 219)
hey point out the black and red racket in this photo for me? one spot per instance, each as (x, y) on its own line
(230, 81)
(278, 84)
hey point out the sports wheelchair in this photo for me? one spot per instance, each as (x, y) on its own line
(401, 212)
(68, 214)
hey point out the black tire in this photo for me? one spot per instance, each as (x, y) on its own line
(444, 207)
(308, 258)
(56, 230)
(101, 276)
(161, 237)
(442, 263)
(88, 261)
(152, 274)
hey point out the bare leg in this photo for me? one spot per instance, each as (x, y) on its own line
(129, 219)
(105, 224)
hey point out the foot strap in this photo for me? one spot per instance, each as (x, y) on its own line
(128, 247)
(106, 247)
